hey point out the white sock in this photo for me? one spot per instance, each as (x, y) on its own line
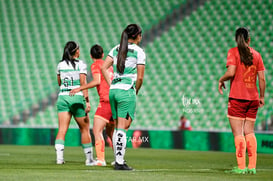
(88, 151)
(114, 141)
(59, 152)
(120, 145)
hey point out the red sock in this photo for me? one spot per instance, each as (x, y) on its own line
(99, 145)
(240, 145)
(251, 144)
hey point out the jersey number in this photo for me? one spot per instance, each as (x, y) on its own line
(66, 81)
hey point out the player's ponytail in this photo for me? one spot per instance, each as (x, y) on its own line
(69, 51)
(130, 32)
(122, 52)
(242, 36)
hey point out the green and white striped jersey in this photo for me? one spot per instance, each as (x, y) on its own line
(70, 77)
(135, 56)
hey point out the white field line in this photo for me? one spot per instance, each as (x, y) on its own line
(181, 170)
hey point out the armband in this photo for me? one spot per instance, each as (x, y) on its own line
(87, 99)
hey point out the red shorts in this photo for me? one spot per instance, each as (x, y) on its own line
(242, 109)
(104, 112)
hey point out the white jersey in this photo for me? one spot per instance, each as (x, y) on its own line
(135, 56)
(70, 77)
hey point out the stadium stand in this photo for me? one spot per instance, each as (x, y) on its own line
(33, 34)
(184, 63)
(190, 58)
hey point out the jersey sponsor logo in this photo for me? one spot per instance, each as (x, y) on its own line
(130, 53)
(122, 80)
(119, 144)
(249, 76)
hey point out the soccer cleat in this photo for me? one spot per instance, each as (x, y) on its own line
(251, 171)
(237, 170)
(122, 167)
(100, 163)
(90, 162)
(60, 162)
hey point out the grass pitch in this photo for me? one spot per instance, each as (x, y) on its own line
(38, 163)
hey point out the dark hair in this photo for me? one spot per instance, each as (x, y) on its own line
(241, 37)
(69, 51)
(130, 32)
(96, 51)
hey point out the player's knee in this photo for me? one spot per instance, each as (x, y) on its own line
(96, 132)
(248, 131)
(86, 119)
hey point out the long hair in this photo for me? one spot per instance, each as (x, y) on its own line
(130, 32)
(69, 51)
(242, 36)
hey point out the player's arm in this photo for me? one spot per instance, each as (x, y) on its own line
(106, 65)
(96, 81)
(85, 92)
(227, 76)
(140, 76)
(59, 80)
(262, 84)
(93, 83)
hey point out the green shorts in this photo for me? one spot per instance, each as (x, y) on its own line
(123, 103)
(74, 104)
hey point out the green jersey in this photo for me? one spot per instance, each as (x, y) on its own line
(135, 56)
(70, 77)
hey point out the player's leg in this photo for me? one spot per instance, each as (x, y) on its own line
(239, 140)
(126, 110)
(110, 127)
(102, 117)
(114, 106)
(121, 139)
(236, 115)
(251, 142)
(82, 119)
(84, 125)
(99, 124)
(64, 120)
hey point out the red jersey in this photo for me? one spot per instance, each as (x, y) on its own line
(103, 87)
(185, 125)
(243, 84)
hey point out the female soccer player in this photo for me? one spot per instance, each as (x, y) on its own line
(243, 66)
(103, 115)
(71, 73)
(129, 65)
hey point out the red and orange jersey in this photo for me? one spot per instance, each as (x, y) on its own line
(243, 84)
(103, 88)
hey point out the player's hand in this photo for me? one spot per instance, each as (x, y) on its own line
(88, 107)
(220, 85)
(261, 101)
(74, 91)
